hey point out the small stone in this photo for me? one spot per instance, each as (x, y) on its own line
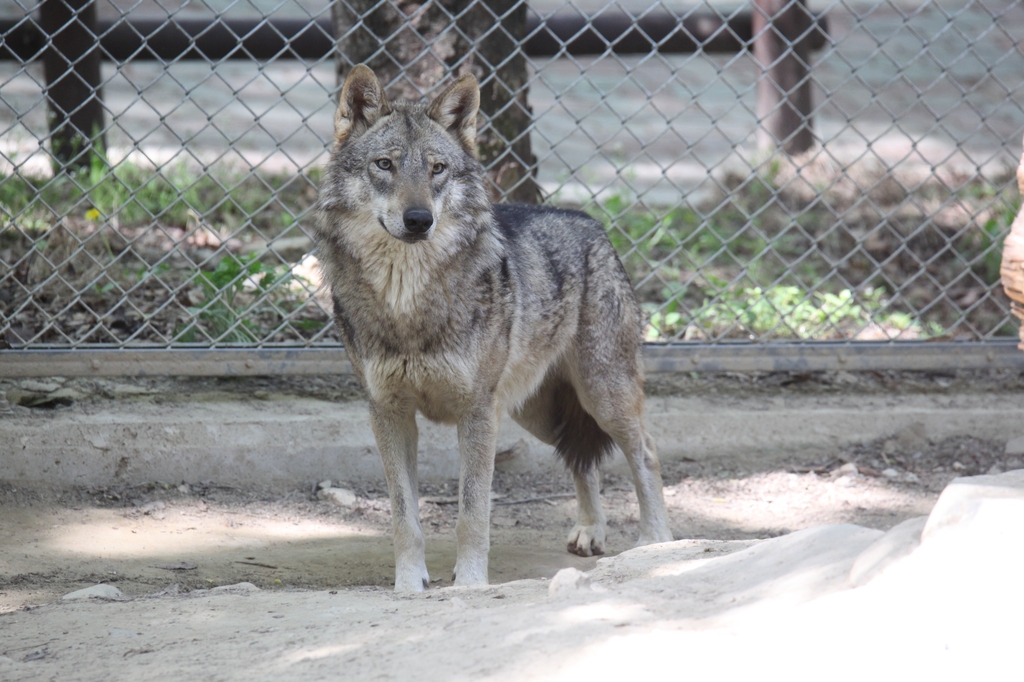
(846, 481)
(910, 477)
(39, 386)
(957, 466)
(237, 588)
(118, 633)
(517, 450)
(1015, 446)
(177, 566)
(848, 468)
(568, 581)
(994, 469)
(101, 591)
(891, 473)
(911, 439)
(151, 507)
(342, 497)
(183, 489)
(323, 485)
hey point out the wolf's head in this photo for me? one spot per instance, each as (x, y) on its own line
(406, 170)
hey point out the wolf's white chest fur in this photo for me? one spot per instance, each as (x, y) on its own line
(400, 281)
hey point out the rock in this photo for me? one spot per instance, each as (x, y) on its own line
(507, 459)
(960, 499)
(342, 497)
(237, 588)
(900, 541)
(323, 485)
(911, 439)
(183, 489)
(846, 481)
(177, 566)
(910, 477)
(39, 386)
(151, 507)
(958, 466)
(994, 470)
(568, 581)
(848, 468)
(101, 591)
(118, 633)
(891, 474)
(1015, 446)
(768, 575)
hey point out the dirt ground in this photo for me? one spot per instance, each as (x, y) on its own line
(198, 535)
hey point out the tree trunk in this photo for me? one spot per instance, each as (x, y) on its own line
(71, 64)
(783, 50)
(413, 46)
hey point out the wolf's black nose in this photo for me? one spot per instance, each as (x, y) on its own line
(418, 220)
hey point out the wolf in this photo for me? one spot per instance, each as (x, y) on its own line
(459, 310)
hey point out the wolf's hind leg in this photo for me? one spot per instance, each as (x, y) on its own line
(616, 401)
(587, 537)
(555, 416)
(397, 436)
(643, 462)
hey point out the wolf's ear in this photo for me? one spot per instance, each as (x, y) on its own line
(455, 109)
(362, 102)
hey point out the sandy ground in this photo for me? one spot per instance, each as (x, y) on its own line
(148, 538)
(315, 600)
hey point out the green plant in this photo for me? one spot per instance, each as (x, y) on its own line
(226, 314)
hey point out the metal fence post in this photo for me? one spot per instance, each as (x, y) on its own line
(781, 47)
(71, 63)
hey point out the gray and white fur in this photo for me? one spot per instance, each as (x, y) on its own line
(459, 309)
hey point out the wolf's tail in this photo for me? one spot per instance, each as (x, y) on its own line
(579, 441)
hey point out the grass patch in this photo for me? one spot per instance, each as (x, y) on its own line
(128, 195)
(130, 253)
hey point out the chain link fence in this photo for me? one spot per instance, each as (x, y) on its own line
(159, 160)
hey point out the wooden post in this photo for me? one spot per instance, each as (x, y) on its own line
(71, 63)
(782, 48)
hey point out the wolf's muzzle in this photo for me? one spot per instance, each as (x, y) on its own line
(418, 221)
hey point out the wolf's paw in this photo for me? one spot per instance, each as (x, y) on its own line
(470, 569)
(412, 580)
(586, 540)
(653, 537)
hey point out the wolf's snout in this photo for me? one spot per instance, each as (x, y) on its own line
(418, 220)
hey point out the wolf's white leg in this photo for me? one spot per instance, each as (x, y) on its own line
(587, 536)
(642, 456)
(395, 430)
(478, 435)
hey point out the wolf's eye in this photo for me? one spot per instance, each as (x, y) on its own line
(383, 164)
(438, 168)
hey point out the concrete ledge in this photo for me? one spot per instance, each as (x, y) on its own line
(301, 440)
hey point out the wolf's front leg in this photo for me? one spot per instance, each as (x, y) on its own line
(395, 430)
(478, 435)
